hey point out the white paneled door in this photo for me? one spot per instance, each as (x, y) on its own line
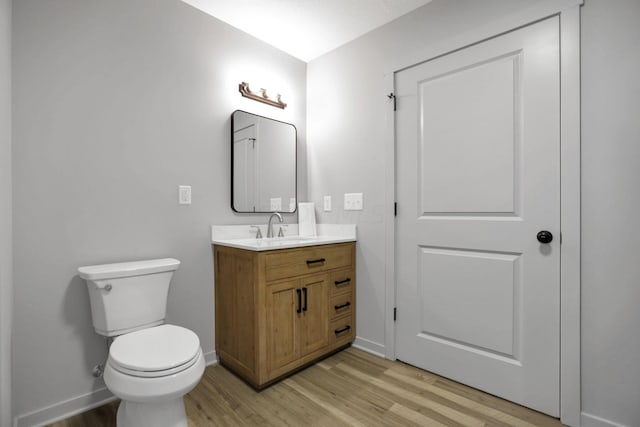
(244, 168)
(478, 191)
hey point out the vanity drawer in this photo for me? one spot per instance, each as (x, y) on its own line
(342, 281)
(314, 259)
(341, 330)
(340, 305)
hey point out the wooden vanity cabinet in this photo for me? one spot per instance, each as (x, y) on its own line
(279, 310)
(297, 320)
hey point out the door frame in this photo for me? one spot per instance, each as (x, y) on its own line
(568, 12)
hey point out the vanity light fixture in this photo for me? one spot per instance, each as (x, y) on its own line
(260, 97)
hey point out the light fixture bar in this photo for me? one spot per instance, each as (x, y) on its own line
(260, 97)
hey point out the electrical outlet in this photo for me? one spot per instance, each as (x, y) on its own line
(275, 204)
(353, 201)
(327, 203)
(184, 194)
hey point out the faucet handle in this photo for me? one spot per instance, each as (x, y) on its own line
(259, 233)
(280, 233)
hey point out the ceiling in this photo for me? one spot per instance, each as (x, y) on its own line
(306, 29)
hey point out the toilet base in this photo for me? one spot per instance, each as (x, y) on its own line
(162, 414)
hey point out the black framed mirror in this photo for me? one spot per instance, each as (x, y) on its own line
(263, 164)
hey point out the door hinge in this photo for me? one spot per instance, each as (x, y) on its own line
(395, 208)
(395, 313)
(393, 97)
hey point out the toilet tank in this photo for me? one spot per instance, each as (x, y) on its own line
(128, 296)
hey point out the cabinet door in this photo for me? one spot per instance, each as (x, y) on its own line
(314, 320)
(283, 334)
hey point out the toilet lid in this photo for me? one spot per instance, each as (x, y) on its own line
(159, 348)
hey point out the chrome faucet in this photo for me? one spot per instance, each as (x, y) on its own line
(269, 226)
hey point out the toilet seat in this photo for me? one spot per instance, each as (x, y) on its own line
(155, 352)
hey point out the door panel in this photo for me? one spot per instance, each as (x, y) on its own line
(459, 122)
(315, 314)
(478, 175)
(284, 335)
(451, 294)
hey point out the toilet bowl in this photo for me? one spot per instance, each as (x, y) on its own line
(151, 365)
(151, 370)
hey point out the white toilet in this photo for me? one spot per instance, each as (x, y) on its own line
(151, 365)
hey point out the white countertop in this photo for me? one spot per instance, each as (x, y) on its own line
(243, 236)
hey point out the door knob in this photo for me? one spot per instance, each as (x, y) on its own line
(544, 236)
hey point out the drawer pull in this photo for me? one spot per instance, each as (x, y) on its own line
(341, 282)
(315, 261)
(299, 309)
(341, 330)
(346, 304)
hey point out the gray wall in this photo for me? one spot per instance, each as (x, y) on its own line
(610, 203)
(347, 124)
(116, 103)
(6, 286)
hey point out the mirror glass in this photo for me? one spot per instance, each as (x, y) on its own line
(263, 164)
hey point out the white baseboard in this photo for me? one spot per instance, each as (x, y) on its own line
(588, 420)
(68, 408)
(210, 358)
(369, 346)
(65, 409)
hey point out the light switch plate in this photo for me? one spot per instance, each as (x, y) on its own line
(327, 203)
(353, 201)
(184, 194)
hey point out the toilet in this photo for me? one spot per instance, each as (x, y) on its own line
(151, 365)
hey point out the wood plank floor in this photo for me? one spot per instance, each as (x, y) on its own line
(351, 388)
